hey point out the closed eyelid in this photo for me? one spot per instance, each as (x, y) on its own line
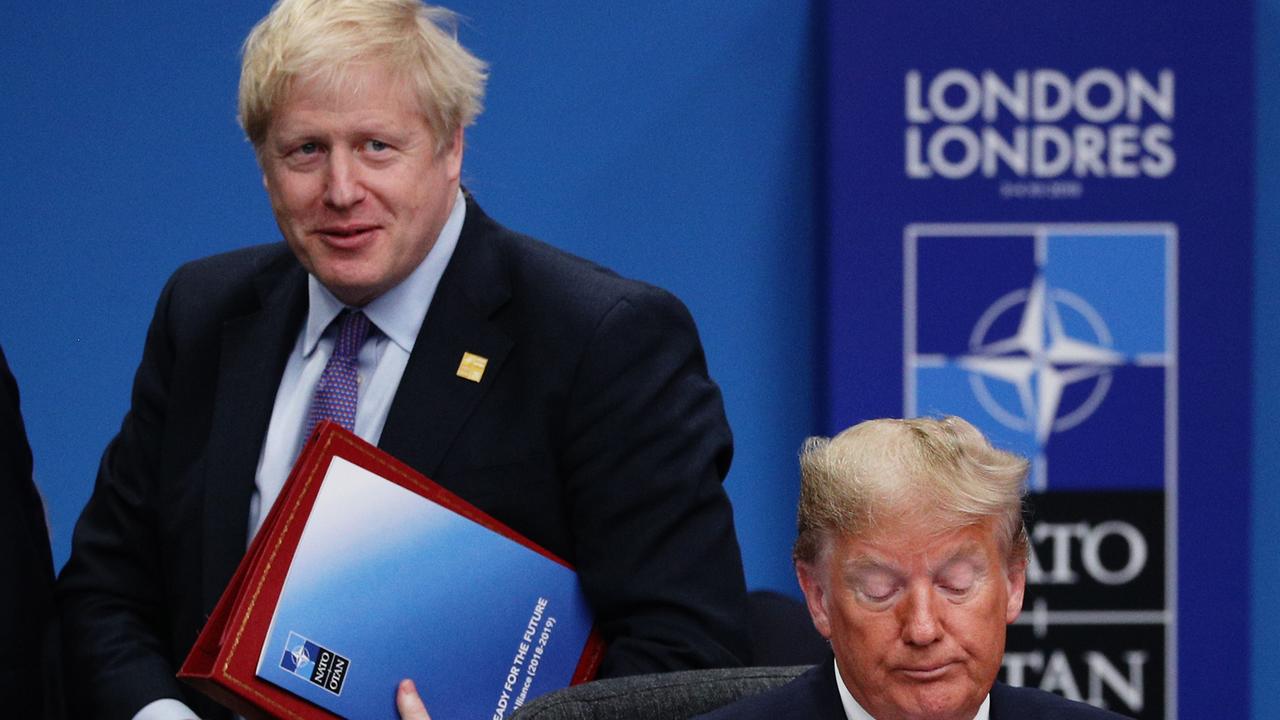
(860, 576)
(876, 594)
(960, 575)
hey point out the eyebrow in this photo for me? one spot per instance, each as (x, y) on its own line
(866, 563)
(363, 128)
(967, 551)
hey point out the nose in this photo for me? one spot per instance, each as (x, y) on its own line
(919, 617)
(344, 186)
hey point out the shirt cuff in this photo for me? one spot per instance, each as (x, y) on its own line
(166, 709)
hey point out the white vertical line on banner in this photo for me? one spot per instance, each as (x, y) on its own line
(909, 321)
(1171, 471)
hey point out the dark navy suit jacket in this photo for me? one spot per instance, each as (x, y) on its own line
(26, 566)
(814, 695)
(595, 431)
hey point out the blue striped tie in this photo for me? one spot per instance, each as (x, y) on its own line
(339, 386)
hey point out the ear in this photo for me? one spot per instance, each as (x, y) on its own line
(1016, 577)
(452, 156)
(815, 596)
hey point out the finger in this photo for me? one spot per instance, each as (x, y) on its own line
(408, 703)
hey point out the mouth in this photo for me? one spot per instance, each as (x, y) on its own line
(926, 673)
(346, 236)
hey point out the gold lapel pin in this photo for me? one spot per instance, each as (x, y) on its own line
(472, 367)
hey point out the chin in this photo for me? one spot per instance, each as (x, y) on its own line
(944, 706)
(351, 280)
(352, 294)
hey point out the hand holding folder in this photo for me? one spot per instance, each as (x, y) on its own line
(365, 573)
(409, 704)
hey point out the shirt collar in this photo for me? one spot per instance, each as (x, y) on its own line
(399, 312)
(854, 711)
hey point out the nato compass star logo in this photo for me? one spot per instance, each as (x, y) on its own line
(298, 656)
(1040, 360)
(1055, 340)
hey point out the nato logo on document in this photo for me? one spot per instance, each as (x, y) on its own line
(1057, 340)
(318, 665)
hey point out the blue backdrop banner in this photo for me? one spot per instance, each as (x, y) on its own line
(1040, 219)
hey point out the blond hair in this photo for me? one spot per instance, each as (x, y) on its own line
(939, 471)
(318, 40)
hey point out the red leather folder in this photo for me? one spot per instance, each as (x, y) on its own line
(223, 663)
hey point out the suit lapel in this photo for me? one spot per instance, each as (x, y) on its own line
(255, 349)
(826, 694)
(1004, 703)
(432, 401)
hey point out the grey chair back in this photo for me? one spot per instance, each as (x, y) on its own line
(664, 696)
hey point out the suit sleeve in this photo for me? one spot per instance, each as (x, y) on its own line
(110, 592)
(647, 449)
(26, 565)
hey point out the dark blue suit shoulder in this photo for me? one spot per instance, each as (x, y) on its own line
(533, 261)
(573, 290)
(236, 263)
(214, 289)
(1019, 703)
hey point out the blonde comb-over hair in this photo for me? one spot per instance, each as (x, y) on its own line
(937, 471)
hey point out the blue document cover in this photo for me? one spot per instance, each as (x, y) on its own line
(387, 584)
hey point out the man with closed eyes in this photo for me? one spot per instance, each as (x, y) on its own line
(912, 556)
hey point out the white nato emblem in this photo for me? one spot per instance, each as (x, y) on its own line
(1041, 359)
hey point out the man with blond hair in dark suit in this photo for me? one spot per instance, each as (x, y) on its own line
(569, 403)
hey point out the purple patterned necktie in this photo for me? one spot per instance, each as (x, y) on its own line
(339, 385)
